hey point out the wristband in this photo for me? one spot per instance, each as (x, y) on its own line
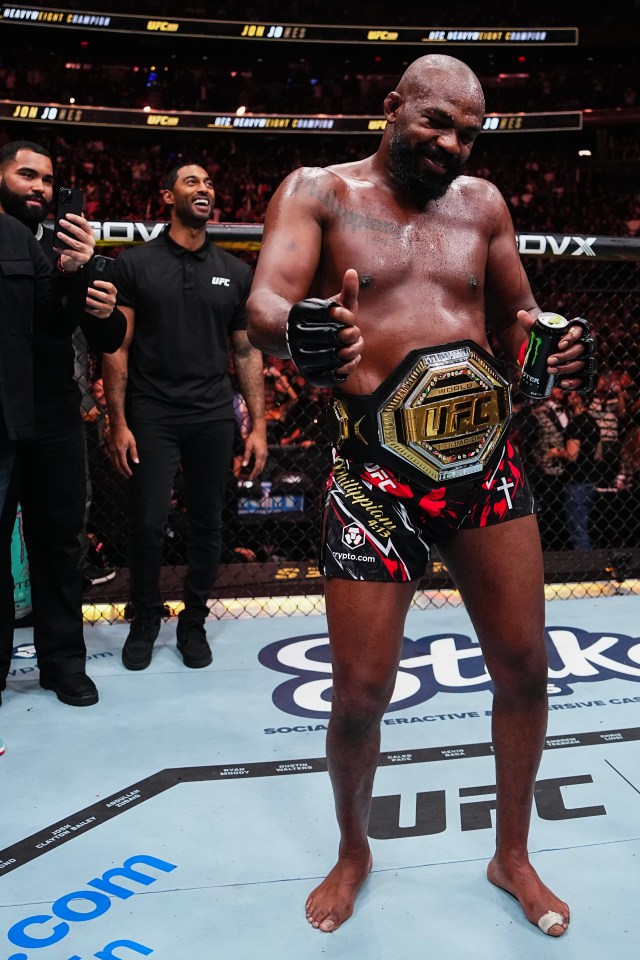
(66, 273)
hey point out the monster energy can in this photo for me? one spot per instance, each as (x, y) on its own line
(547, 331)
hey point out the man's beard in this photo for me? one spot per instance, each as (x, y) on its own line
(16, 206)
(421, 184)
(188, 217)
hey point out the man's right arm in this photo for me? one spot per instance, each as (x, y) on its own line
(115, 373)
(288, 263)
(289, 258)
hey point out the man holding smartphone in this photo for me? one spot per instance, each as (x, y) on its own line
(48, 476)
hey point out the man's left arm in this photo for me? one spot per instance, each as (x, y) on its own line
(513, 309)
(249, 368)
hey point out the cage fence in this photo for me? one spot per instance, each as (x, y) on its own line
(271, 525)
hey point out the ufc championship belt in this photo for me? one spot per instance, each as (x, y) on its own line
(441, 415)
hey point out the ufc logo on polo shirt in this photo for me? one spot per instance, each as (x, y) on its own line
(220, 281)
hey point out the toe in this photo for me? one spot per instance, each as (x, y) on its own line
(327, 925)
(554, 924)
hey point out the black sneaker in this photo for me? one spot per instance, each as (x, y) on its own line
(76, 689)
(138, 647)
(192, 644)
(93, 575)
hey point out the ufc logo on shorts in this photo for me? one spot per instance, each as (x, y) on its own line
(353, 536)
(220, 281)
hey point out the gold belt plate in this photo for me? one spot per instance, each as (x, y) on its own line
(448, 414)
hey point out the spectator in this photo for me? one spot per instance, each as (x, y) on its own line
(308, 418)
(547, 474)
(608, 407)
(280, 397)
(581, 452)
(48, 477)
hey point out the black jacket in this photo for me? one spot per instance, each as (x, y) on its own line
(57, 395)
(31, 294)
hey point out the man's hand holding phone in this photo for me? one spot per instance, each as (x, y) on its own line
(101, 293)
(73, 238)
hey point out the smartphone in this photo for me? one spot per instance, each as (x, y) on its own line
(70, 200)
(100, 268)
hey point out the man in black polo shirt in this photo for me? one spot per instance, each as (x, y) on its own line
(170, 403)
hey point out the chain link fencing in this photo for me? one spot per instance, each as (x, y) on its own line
(271, 526)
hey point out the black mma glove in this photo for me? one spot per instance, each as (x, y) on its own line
(312, 340)
(588, 374)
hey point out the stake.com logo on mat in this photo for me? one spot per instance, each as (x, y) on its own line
(451, 663)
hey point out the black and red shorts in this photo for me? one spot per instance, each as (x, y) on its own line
(379, 526)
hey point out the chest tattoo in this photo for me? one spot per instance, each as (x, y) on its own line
(349, 218)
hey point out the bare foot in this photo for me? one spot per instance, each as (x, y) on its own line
(523, 883)
(332, 902)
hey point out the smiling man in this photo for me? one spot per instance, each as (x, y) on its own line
(407, 252)
(170, 404)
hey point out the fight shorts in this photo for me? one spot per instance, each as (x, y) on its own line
(423, 456)
(380, 526)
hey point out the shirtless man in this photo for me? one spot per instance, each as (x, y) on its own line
(416, 251)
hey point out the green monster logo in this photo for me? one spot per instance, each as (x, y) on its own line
(532, 350)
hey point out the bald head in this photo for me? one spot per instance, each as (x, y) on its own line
(436, 72)
(433, 118)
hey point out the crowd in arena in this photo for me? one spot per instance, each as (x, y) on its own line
(351, 83)
(544, 181)
(544, 190)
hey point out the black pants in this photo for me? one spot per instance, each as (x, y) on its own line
(204, 450)
(48, 480)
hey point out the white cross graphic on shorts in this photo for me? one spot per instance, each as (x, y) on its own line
(505, 485)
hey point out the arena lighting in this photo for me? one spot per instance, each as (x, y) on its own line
(584, 153)
(272, 33)
(149, 117)
(241, 110)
